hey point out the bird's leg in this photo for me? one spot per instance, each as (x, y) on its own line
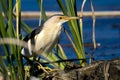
(41, 67)
(46, 69)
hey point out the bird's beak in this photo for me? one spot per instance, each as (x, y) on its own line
(70, 18)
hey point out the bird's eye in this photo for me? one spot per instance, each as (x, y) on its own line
(60, 17)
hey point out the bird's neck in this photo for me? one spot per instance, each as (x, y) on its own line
(51, 26)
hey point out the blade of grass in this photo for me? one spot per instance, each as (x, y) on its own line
(10, 29)
(43, 14)
(18, 18)
(41, 8)
(3, 68)
(11, 33)
(75, 28)
(93, 28)
(18, 56)
(62, 53)
(25, 27)
(3, 34)
(77, 36)
(52, 57)
(2, 25)
(76, 50)
(4, 7)
(8, 32)
(77, 33)
(63, 8)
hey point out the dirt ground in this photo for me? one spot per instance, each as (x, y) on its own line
(101, 70)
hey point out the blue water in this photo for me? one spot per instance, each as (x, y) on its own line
(107, 29)
(51, 5)
(107, 35)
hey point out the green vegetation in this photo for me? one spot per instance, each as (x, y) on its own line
(11, 64)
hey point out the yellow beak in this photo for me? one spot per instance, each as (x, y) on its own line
(69, 18)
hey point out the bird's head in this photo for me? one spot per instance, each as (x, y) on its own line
(59, 19)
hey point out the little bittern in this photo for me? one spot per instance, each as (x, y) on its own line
(45, 37)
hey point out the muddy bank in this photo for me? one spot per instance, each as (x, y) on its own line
(101, 70)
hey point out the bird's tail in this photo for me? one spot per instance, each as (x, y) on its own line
(26, 52)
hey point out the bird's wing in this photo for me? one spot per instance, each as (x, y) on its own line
(30, 39)
(33, 34)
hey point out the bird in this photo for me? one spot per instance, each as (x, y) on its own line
(45, 36)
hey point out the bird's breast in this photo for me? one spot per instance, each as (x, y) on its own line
(52, 38)
(56, 33)
(46, 40)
